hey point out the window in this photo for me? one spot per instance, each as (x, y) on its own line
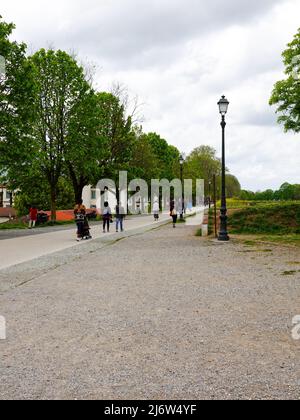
(93, 194)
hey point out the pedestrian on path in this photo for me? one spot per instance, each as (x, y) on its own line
(120, 216)
(80, 213)
(156, 211)
(107, 217)
(174, 214)
(33, 213)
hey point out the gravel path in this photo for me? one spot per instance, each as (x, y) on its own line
(159, 315)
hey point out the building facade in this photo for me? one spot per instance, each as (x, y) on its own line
(6, 197)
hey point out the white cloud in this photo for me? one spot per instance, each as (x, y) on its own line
(179, 57)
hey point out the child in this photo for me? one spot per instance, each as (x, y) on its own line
(33, 213)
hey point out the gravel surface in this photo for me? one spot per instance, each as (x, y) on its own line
(159, 315)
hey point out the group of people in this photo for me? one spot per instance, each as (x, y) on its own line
(83, 229)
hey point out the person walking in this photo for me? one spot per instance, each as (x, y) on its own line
(80, 213)
(174, 214)
(107, 217)
(33, 214)
(156, 211)
(120, 216)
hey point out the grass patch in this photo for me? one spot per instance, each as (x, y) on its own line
(22, 225)
(181, 220)
(13, 225)
(211, 222)
(250, 243)
(290, 273)
(291, 239)
(272, 219)
(248, 251)
(199, 233)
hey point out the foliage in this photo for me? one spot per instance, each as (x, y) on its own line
(287, 192)
(275, 218)
(286, 93)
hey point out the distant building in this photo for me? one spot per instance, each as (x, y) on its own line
(90, 196)
(6, 197)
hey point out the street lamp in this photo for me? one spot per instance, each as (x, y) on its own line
(209, 194)
(181, 161)
(223, 234)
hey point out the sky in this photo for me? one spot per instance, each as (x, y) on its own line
(179, 57)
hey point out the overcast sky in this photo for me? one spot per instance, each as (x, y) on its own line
(179, 57)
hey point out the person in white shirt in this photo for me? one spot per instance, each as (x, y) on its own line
(156, 211)
(107, 215)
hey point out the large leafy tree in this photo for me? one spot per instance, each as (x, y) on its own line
(286, 93)
(83, 145)
(167, 157)
(61, 88)
(144, 163)
(233, 186)
(203, 163)
(16, 111)
(115, 136)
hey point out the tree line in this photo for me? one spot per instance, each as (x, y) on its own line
(58, 134)
(287, 192)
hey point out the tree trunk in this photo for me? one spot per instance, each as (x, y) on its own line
(78, 184)
(53, 204)
(78, 190)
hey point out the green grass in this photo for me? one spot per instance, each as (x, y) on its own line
(271, 219)
(22, 225)
(211, 222)
(13, 225)
(235, 204)
(282, 239)
(181, 221)
(290, 273)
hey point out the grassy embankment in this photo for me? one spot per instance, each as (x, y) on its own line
(277, 222)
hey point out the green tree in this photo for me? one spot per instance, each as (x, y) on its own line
(83, 146)
(115, 136)
(16, 111)
(233, 186)
(60, 89)
(203, 163)
(144, 163)
(286, 93)
(167, 157)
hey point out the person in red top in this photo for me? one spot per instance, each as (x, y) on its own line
(33, 217)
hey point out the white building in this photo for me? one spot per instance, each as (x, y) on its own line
(6, 197)
(90, 197)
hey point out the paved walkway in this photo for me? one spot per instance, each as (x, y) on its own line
(158, 315)
(29, 244)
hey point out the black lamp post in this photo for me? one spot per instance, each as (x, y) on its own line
(223, 234)
(209, 194)
(181, 161)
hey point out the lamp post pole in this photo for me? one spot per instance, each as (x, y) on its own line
(223, 234)
(182, 195)
(215, 205)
